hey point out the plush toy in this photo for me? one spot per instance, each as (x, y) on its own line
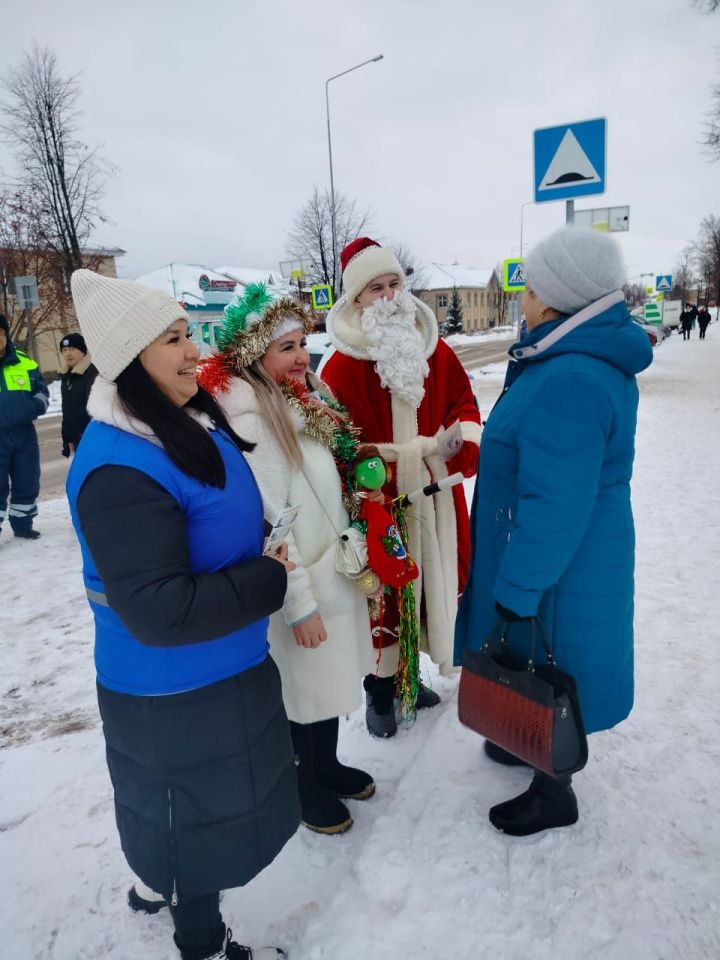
(387, 556)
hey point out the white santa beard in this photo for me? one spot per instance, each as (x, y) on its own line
(397, 346)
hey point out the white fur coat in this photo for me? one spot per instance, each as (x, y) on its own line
(325, 682)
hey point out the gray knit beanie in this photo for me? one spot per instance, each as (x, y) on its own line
(573, 267)
(119, 318)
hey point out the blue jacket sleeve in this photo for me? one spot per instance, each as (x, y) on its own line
(561, 442)
(39, 392)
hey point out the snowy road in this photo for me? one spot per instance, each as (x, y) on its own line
(422, 873)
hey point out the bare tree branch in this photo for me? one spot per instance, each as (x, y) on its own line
(310, 237)
(66, 178)
(706, 6)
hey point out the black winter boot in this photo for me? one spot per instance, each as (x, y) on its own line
(349, 783)
(142, 899)
(548, 802)
(380, 705)
(504, 757)
(426, 698)
(322, 811)
(27, 533)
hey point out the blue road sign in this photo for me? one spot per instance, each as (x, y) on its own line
(321, 296)
(570, 160)
(663, 282)
(514, 274)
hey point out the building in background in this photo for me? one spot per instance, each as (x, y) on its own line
(479, 289)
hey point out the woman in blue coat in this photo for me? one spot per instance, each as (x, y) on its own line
(170, 524)
(552, 524)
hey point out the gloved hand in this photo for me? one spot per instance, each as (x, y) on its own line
(509, 616)
(66, 450)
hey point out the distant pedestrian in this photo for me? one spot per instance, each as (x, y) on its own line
(23, 398)
(75, 384)
(703, 319)
(687, 319)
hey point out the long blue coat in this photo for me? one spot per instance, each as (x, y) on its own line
(552, 527)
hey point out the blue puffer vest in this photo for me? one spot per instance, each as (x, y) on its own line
(224, 527)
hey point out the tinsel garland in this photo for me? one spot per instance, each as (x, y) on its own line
(407, 683)
(327, 422)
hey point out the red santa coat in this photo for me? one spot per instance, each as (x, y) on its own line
(439, 528)
(448, 397)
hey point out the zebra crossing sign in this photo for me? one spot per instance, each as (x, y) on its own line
(514, 274)
(321, 296)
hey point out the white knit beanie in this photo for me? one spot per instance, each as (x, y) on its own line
(573, 267)
(119, 318)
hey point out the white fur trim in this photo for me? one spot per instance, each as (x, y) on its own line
(287, 326)
(104, 405)
(432, 531)
(366, 265)
(471, 431)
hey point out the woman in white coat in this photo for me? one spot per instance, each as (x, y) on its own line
(320, 640)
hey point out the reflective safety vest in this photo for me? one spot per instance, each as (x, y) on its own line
(16, 376)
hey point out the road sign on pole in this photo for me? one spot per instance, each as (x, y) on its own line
(514, 274)
(570, 160)
(322, 298)
(604, 219)
(663, 282)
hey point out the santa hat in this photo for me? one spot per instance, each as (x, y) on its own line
(362, 261)
(119, 318)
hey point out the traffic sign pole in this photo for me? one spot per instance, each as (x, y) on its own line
(569, 211)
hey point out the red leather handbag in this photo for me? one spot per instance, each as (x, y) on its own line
(531, 710)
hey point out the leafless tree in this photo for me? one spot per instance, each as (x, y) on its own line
(39, 121)
(310, 237)
(24, 252)
(711, 134)
(684, 274)
(708, 256)
(634, 294)
(500, 298)
(415, 271)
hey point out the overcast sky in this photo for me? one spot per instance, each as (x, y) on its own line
(213, 114)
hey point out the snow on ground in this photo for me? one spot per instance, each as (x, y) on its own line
(422, 873)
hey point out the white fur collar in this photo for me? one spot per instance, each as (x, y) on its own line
(241, 400)
(104, 405)
(346, 333)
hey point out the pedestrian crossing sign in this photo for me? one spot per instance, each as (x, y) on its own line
(663, 282)
(514, 274)
(322, 298)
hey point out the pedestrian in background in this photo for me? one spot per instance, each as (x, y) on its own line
(23, 398)
(551, 520)
(320, 639)
(687, 320)
(703, 319)
(75, 383)
(171, 529)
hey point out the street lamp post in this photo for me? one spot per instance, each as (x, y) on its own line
(333, 224)
(522, 210)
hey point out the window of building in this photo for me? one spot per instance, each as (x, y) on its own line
(442, 301)
(475, 299)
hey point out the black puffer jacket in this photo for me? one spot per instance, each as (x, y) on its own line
(75, 387)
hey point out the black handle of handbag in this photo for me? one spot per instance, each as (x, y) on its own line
(502, 628)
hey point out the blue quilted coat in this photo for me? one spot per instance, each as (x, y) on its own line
(552, 525)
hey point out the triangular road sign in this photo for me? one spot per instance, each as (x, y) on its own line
(663, 283)
(569, 166)
(518, 276)
(321, 297)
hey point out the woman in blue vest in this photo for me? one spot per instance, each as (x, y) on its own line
(551, 521)
(171, 529)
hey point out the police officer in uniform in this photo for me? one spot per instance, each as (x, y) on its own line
(23, 397)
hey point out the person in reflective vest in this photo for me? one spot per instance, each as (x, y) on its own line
(23, 397)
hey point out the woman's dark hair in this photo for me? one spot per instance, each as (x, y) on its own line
(185, 441)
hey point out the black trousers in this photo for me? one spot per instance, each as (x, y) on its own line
(199, 929)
